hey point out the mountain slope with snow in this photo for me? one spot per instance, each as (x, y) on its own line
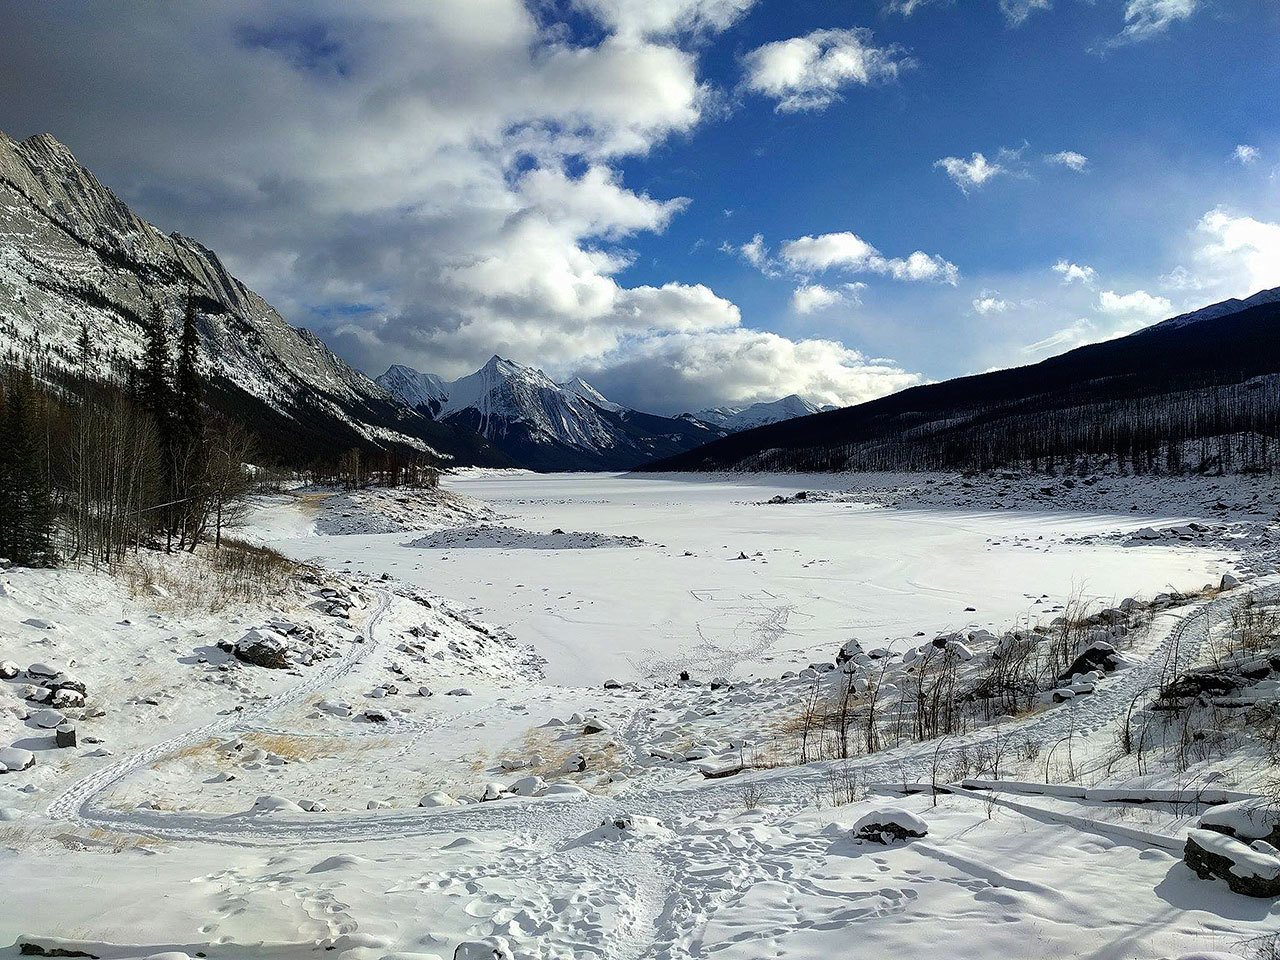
(734, 419)
(1200, 391)
(542, 424)
(72, 253)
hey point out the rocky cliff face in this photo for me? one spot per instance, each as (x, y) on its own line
(72, 253)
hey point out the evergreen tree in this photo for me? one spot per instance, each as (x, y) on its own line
(188, 410)
(26, 514)
(155, 390)
(155, 387)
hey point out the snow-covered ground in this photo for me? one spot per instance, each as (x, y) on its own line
(723, 583)
(447, 647)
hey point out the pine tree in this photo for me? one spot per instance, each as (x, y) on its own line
(26, 514)
(190, 455)
(155, 387)
(188, 410)
(155, 390)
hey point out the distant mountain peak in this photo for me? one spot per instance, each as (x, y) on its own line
(543, 424)
(736, 418)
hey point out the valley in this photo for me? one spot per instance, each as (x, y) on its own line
(531, 655)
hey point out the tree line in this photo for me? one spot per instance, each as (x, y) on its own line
(92, 469)
(1225, 428)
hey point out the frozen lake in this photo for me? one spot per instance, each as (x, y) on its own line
(816, 574)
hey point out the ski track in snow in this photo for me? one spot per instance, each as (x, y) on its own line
(1184, 634)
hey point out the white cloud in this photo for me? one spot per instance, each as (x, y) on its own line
(989, 301)
(1073, 335)
(1074, 271)
(1015, 12)
(807, 73)
(1238, 254)
(693, 371)
(443, 176)
(1069, 159)
(644, 18)
(1245, 154)
(812, 297)
(1144, 19)
(971, 173)
(1138, 304)
(847, 251)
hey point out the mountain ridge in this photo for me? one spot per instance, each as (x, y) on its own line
(1211, 374)
(542, 424)
(72, 252)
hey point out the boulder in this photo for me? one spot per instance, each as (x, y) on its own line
(13, 759)
(494, 791)
(9, 669)
(1246, 869)
(1257, 818)
(67, 698)
(65, 735)
(851, 649)
(494, 949)
(437, 799)
(528, 787)
(262, 649)
(1099, 655)
(48, 719)
(1228, 582)
(889, 825)
(269, 803)
(593, 725)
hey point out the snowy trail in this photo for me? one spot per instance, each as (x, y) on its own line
(1178, 635)
(76, 802)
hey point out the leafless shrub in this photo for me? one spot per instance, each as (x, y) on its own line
(751, 795)
(844, 785)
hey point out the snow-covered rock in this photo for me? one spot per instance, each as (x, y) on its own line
(437, 798)
(1246, 869)
(887, 825)
(262, 649)
(492, 949)
(13, 759)
(270, 803)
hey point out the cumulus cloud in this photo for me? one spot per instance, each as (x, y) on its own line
(989, 301)
(1071, 272)
(971, 173)
(1144, 19)
(813, 297)
(425, 183)
(1239, 255)
(849, 252)
(689, 372)
(1138, 304)
(661, 18)
(1245, 155)
(808, 73)
(1069, 159)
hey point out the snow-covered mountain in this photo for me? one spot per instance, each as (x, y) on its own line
(733, 419)
(1213, 312)
(546, 425)
(71, 252)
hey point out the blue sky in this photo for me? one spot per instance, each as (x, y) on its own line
(689, 202)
